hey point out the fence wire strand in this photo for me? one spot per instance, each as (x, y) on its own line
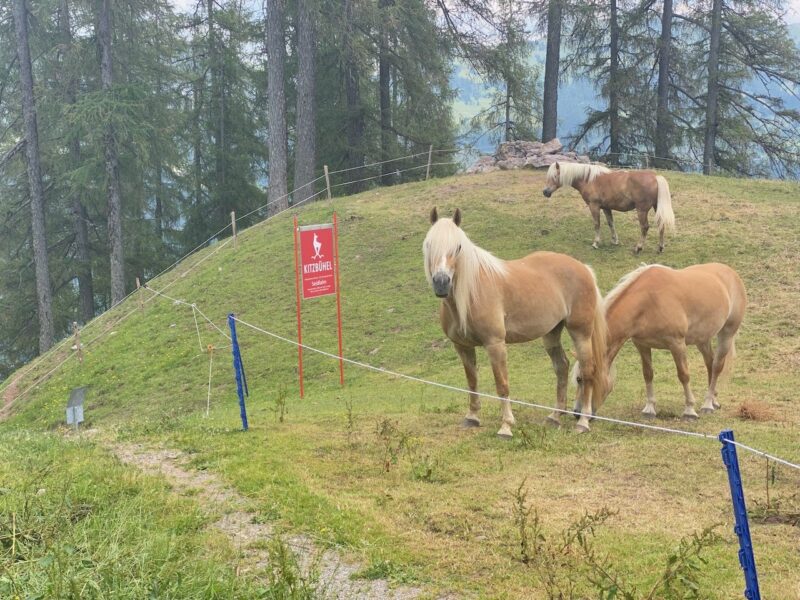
(453, 388)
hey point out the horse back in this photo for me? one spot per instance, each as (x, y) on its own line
(694, 303)
(537, 292)
(624, 190)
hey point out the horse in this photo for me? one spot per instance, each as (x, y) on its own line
(490, 302)
(659, 307)
(607, 190)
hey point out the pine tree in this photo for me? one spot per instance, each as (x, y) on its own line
(44, 302)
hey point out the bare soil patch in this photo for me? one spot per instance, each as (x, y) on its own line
(249, 536)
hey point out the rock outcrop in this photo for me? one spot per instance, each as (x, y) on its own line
(520, 155)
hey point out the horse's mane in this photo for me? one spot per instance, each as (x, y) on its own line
(570, 172)
(443, 239)
(624, 283)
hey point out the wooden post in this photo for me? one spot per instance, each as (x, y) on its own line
(428, 170)
(77, 333)
(233, 228)
(139, 293)
(328, 182)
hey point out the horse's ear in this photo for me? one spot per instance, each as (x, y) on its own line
(434, 215)
(457, 217)
(558, 167)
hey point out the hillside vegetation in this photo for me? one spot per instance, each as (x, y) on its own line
(381, 467)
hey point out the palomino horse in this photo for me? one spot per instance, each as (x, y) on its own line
(607, 190)
(491, 302)
(658, 307)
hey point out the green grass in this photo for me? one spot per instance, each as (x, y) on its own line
(74, 524)
(397, 482)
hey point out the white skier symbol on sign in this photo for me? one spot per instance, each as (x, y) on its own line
(317, 248)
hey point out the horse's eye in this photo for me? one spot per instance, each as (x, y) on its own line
(458, 249)
(579, 380)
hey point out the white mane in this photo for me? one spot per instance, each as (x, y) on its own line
(569, 172)
(444, 239)
(624, 283)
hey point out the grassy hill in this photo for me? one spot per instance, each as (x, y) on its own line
(381, 466)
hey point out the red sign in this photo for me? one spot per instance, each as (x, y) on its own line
(317, 261)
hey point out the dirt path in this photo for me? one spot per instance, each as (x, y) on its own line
(238, 523)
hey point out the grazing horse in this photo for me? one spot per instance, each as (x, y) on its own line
(658, 307)
(491, 302)
(607, 190)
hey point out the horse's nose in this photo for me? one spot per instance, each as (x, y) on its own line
(441, 285)
(547, 193)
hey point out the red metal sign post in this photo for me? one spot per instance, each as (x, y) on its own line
(299, 321)
(316, 275)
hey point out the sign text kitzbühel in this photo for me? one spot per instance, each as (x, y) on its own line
(316, 260)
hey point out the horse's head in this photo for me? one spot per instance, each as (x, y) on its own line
(553, 180)
(575, 376)
(441, 250)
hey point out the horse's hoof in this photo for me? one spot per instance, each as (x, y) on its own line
(660, 249)
(595, 246)
(689, 417)
(581, 428)
(615, 242)
(637, 250)
(505, 436)
(553, 422)
(715, 404)
(470, 423)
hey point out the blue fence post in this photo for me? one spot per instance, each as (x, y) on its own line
(742, 528)
(238, 369)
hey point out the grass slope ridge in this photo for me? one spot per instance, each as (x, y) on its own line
(369, 466)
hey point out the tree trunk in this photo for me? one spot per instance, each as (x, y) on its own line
(509, 126)
(111, 163)
(355, 112)
(197, 137)
(712, 96)
(305, 150)
(276, 106)
(84, 266)
(384, 87)
(217, 118)
(44, 298)
(663, 121)
(551, 68)
(613, 87)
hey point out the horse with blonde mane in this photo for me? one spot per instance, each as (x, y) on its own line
(491, 302)
(607, 190)
(659, 307)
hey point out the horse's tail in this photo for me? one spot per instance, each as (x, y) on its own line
(599, 345)
(665, 218)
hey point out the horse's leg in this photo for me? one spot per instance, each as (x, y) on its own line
(583, 348)
(710, 402)
(678, 349)
(661, 231)
(610, 221)
(724, 345)
(646, 354)
(497, 356)
(644, 226)
(595, 210)
(467, 354)
(552, 344)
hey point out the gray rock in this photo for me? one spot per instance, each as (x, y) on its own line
(552, 146)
